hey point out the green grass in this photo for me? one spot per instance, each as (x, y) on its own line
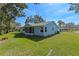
(63, 44)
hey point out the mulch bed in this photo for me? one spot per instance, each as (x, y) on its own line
(5, 38)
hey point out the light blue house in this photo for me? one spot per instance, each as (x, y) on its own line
(41, 29)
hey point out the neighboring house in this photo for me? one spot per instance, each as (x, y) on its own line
(77, 27)
(41, 29)
(69, 26)
(17, 27)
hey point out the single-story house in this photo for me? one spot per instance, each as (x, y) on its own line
(41, 29)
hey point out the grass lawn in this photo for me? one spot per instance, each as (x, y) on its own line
(63, 44)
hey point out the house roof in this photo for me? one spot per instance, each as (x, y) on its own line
(35, 24)
(39, 24)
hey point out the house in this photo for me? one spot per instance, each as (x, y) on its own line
(41, 29)
(38, 27)
(69, 27)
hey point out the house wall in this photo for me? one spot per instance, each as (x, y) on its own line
(51, 29)
(38, 32)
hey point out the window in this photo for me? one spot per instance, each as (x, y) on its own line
(52, 28)
(45, 29)
(41, 29)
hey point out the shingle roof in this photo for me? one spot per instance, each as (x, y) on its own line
(39, 24)
(36, 24)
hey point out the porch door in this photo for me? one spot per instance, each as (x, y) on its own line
(31, 29)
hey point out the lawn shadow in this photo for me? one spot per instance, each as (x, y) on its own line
(33, 38)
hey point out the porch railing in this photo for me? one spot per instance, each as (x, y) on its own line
(27, 33)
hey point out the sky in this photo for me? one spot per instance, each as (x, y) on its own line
(50, 12)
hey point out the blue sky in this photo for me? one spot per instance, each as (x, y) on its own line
(50, 12)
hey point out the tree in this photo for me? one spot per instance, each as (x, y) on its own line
(9, 12)
(70, 26)
(74, 7)
(34, 19)
(38, 19)
(60, 23)
(15, 26)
